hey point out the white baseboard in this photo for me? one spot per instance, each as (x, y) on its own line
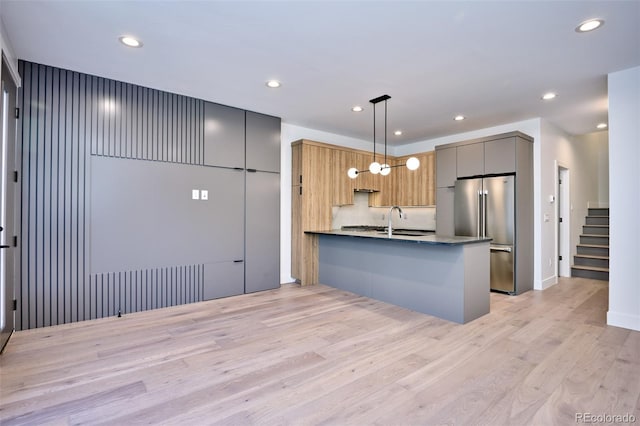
(546, 283)
(619, 319)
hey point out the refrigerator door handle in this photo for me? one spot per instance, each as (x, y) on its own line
(479, 215)
(484, 213)
(507, 249)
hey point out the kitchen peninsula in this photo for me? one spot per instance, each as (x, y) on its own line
(447, 277)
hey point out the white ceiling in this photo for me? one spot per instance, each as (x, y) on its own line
(488, 60)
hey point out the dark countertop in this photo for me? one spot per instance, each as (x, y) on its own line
(423, 239)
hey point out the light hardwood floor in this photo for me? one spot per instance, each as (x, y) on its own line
(316, 355)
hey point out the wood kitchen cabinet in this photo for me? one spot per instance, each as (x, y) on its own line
(416, 187)
(343, 185)
(319, 181)
(366, 180)
(311, 201)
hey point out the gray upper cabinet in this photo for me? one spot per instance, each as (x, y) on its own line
(223, 136)
(446, 167)
(486, 158)
(470, 161)
(263, 142)
(500, 156)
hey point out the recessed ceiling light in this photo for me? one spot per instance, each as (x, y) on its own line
(398, 132)
(548, 96)
(130, 41)
(589, 25)
(356, 108)
(273, 84)
(459, 117)
(602, 126)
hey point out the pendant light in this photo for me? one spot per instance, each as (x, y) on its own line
(375, 167)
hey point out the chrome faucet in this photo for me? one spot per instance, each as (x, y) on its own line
(389, 228)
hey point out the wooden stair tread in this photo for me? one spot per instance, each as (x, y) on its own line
(590, 268)
(595, 235)
(592, 256)
(597, 215)
(598, 226)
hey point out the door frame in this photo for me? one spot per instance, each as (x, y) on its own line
(9, 249)
(563, 210)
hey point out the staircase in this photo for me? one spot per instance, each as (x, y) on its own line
(592, 260)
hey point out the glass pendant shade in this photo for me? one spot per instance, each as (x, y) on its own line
(413, 163)
(375, 167)
(352, 173)
(385, 169)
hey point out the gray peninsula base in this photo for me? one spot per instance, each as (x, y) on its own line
(449, 281)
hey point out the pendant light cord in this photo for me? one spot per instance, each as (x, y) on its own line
(385, 132)
(374, 132)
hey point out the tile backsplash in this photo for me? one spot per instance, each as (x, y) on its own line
(361, 214)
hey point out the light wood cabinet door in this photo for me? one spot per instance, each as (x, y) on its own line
(296, 231)
(388, 195)
(343, 185)
(414, 187)
(366, 180)
(296, 165)
(310, 205)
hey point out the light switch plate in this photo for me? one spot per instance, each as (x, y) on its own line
(195, 194)
(204, 194)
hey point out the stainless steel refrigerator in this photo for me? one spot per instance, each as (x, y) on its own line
(486, 207)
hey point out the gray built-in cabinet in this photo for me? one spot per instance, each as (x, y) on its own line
(108, 222)
(507, 153)
(249, 143)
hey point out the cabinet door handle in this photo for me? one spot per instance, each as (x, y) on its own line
(300, 190)
(238, 168)
(238, 261)
(252, 170)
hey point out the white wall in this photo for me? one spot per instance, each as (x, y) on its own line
(8, 53)
(585, 157)
(529, 127)
(624, 199)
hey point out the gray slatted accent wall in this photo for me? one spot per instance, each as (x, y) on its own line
(65, 118)
(135, 291)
